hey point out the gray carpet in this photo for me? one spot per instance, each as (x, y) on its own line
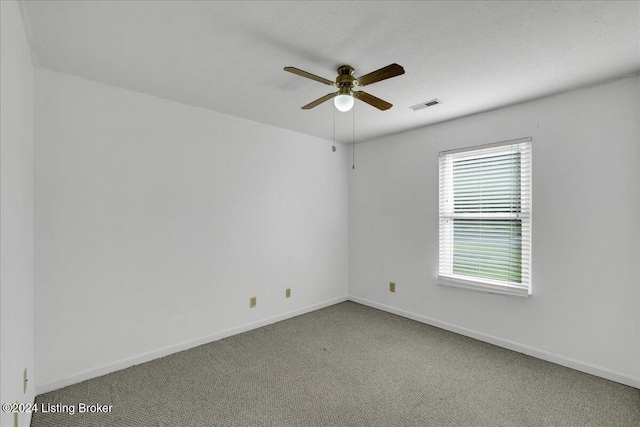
(348, 365)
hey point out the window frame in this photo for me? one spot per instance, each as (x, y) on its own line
(447, 214)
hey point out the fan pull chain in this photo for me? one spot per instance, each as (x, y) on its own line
(333, 147)
(353, 138)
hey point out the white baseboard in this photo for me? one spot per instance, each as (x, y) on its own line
(155, 354)
(511, 345)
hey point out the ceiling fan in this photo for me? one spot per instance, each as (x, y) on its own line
(345, 82)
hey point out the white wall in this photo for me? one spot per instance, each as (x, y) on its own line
(16, 225)
(584, 310)
(156, 221)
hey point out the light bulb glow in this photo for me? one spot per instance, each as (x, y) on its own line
(343, 102)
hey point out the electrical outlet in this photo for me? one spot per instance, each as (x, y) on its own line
(392, 286)
(287, 293)
(252, 302)
(25, 379)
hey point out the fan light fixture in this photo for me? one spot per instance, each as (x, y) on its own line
(343, 103)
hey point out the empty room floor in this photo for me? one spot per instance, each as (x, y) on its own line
(347, 365)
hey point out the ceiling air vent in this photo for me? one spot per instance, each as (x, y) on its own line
(426, 104)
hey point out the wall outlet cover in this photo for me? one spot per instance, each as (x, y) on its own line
(252, 302)
(392, 286)
(287, 293)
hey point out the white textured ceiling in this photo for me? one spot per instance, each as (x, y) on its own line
(228, 56)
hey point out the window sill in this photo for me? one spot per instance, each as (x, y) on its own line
(488, 286)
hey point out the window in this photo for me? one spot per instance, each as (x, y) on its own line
(485, 217)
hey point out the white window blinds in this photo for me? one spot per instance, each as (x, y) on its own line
(485, 217)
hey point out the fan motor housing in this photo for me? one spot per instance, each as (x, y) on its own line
(345, 76)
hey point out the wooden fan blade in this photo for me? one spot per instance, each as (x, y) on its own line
(303, 73)
(319, 101)
(372, 100)
(381, 74)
